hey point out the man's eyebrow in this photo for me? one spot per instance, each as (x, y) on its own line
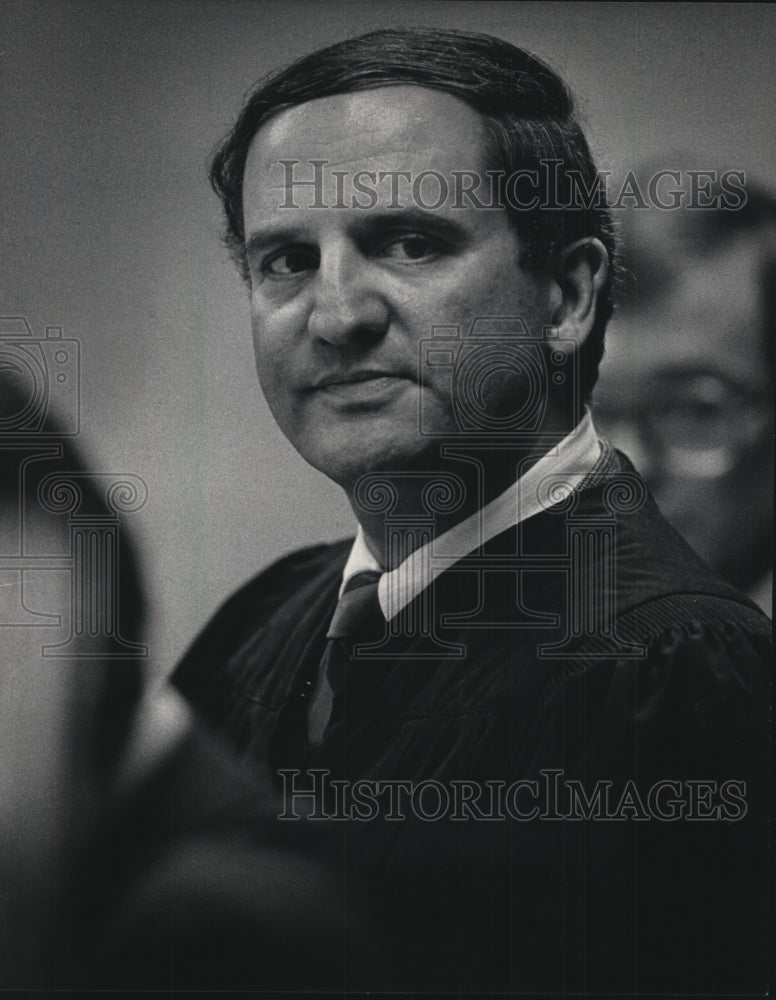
(411, 217)
(370, 221)
(686, 371)
(270, 236)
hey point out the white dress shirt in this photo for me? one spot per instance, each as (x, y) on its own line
(557, 473)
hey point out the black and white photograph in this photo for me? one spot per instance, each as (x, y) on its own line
(386, 497)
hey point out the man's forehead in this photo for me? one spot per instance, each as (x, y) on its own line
(709, 316)
(707, 282)
(388, 129)
(376, 115)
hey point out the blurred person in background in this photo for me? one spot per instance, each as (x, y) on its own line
(134, 852)
(687, 383)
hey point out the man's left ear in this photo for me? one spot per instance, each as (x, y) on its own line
(582, 273)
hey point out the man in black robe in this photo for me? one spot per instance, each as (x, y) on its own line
(529, 715)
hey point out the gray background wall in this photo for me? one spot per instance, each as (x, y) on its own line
(108, 112)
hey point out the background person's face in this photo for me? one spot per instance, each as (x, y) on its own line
(686, 391)
(341, 297)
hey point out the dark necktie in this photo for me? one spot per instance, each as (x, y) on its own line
(357, 613)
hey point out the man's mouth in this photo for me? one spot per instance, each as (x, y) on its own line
(355, 377)
(361, 385)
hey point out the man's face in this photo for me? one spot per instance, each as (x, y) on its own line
(686, 391)
(342, 296)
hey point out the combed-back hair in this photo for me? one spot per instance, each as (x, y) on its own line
(528, 113)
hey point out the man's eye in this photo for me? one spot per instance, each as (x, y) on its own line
(411, 246)
(287, 263)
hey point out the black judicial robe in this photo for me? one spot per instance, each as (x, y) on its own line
(585, 666)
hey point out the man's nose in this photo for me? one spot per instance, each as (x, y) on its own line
(625, 435)
(631, 441)
(348, 305)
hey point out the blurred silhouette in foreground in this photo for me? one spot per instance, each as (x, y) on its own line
(133, 853)
(687, 382)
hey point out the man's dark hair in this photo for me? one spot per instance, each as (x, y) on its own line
(528, 113)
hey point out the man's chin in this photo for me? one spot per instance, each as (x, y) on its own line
(352, 460)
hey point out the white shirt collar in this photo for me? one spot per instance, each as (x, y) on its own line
(556, 474)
